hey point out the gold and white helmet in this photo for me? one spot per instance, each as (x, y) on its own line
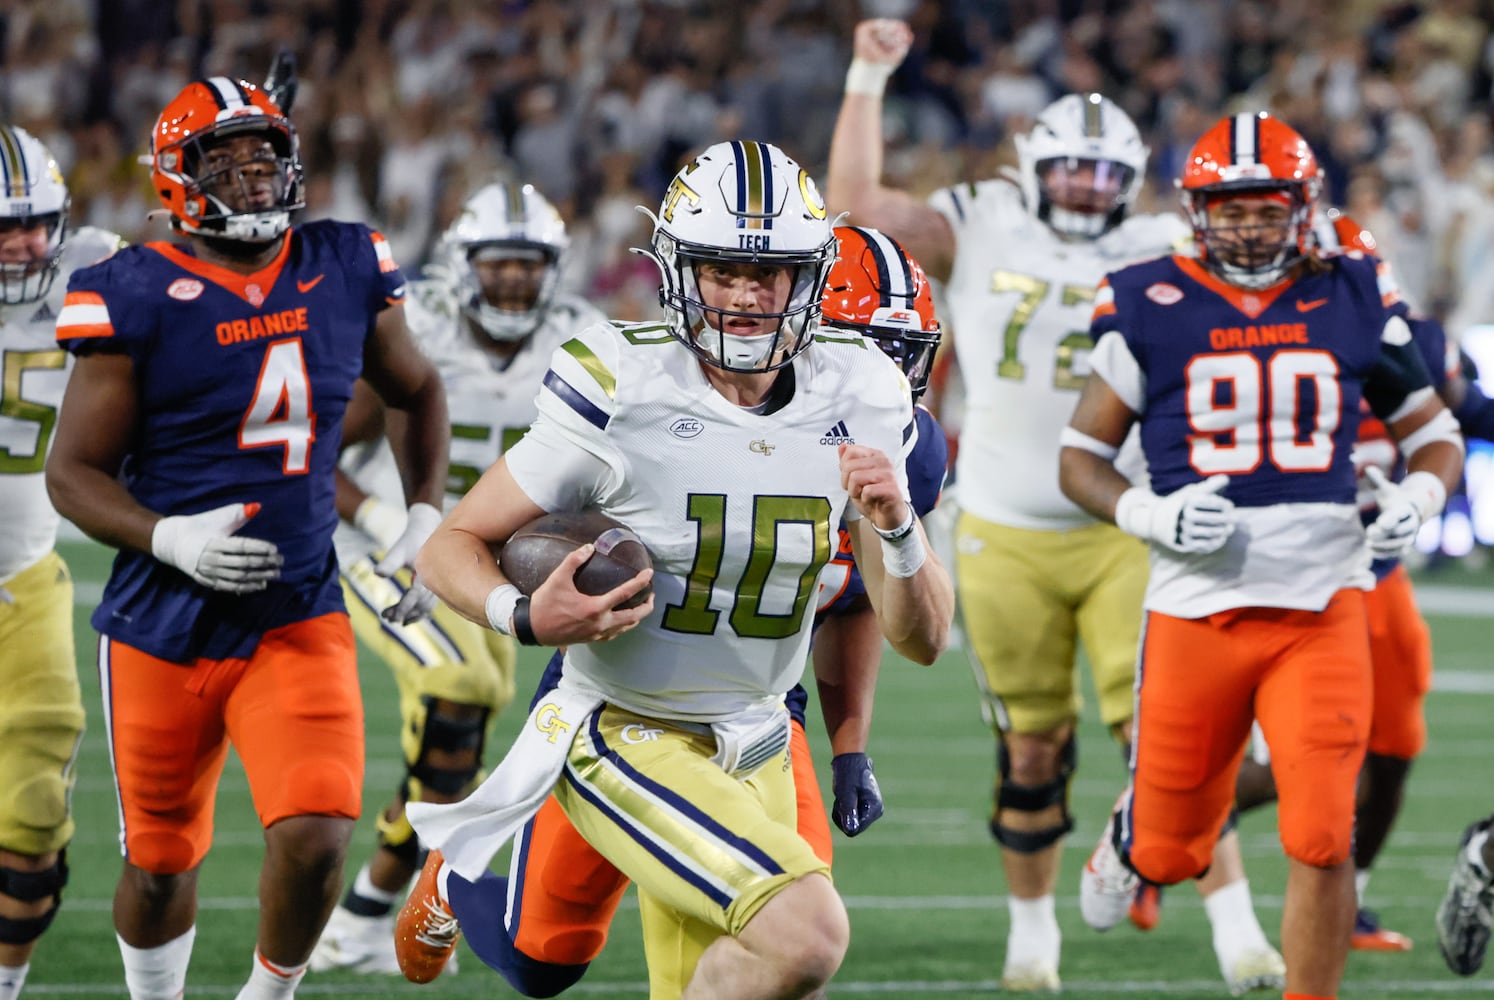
(32, 192)
(742, 202)
(1084, 134)
(505, 220)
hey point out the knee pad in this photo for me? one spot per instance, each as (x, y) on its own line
(453, 735)
(398, 837)
(29, 887)
(1030, 799)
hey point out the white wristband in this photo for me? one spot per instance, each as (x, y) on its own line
(1427, 491)
(500, 607)
(1133, 512)
(904, 557)
(869, 78)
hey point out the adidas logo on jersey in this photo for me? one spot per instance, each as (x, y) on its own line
(838, 435)
(43, 314)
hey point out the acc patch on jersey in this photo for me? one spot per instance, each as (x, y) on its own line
(1164, 294)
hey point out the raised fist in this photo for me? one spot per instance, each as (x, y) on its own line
(883, 40)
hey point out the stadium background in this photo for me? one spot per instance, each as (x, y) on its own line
(406, 104)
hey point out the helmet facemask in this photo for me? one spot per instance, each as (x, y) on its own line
(705, 329)
(210, 175)
(30, 280)
(513, 304)
(1252, 255)
(1083, 198)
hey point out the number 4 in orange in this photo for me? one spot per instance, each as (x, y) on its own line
(280, 413)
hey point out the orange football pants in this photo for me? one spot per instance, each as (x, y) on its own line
(1401, 651)
(292, 711)
(569, 892)
(1305, 676)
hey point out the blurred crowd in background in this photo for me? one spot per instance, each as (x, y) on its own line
(406, 106)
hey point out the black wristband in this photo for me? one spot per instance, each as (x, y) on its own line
(523, 631)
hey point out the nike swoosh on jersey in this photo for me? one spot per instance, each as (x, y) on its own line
(305, 286)
(1303, 307)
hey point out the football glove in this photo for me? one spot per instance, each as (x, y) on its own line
(204, 547)
(858, 800)
(418, 602)
(1193, 519)
(382, 522)
(1403, 508)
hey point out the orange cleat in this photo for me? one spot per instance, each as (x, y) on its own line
(1146, 907)
(426, 933)
(1370, 936)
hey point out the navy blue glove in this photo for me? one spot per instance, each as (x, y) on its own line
(858, 800)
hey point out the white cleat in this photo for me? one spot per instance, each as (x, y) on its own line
(1106, 886)
(356, 944)
(1033, 976)
(1258, 968)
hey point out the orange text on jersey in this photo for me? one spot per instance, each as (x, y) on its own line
(255, 327)
(1224, 338)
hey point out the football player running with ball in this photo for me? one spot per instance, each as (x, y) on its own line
(666, 742)
(1244, 369)
(1021, 259)
(489, 317)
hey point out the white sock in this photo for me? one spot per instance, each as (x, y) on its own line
(363, 886)
(158, 973)
(268, 981)
(442, 874)
(1034, 933)
(12, 978)
(1233, 917)
(1361, 882)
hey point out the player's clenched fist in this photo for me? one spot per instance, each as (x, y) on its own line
(883, 40)
(867, 474)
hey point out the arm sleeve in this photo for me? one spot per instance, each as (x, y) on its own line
(1399, 382)
(96, 317)
(387, 287)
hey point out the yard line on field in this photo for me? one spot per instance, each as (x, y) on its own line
(912, 987)
(1458, 602)
(913, 904)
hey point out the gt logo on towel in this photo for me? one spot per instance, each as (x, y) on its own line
(636, 732)
(548, 721)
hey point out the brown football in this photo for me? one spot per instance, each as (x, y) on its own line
(532, 553)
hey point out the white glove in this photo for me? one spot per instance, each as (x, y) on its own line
(203, 546)
(420, 523)
(1403, 508)
(382, 522)
(1193, 519)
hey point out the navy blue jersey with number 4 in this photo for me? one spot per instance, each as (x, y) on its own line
(242, 381)
(1263, 386)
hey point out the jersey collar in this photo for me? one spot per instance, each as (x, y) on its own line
(252, 288)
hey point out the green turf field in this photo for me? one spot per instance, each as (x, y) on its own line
(923, 886)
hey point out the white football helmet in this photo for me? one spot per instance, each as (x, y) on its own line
(33, 193)
(505, 220)
(742, 202)
(1091, 137)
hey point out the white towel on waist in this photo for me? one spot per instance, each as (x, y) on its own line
(468, 833)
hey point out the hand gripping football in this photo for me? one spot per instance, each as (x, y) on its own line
(532, 553)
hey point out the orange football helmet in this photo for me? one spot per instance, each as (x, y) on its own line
(876, 289)
(1250, 155)
(196, 190)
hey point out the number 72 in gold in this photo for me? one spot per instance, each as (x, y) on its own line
(1032, 291)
